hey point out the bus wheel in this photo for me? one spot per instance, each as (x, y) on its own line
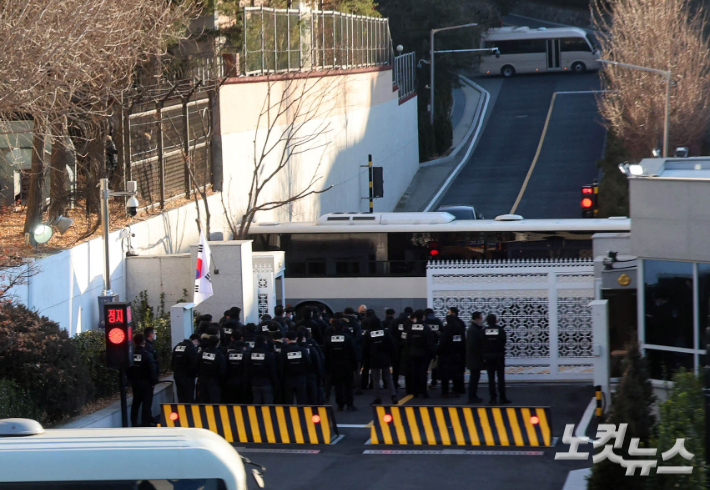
(579, 67)
(507, 71)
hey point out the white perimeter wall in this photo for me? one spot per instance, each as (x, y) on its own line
(364, 116)
(356, 115)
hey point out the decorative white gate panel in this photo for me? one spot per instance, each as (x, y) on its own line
(543, 305)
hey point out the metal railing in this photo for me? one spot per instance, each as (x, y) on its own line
(405, 74)
(283, 40)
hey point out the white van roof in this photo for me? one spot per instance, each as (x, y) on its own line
(120, 454)
(511, 33)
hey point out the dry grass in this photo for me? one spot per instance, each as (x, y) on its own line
(12, 241)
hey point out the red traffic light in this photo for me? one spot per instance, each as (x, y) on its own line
(316, 419)
(434, 252)
(387, 418)
(587, 190)
(534, 420)
(587, 203)
(116, 336)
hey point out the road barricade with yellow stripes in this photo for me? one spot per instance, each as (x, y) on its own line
(276, 424)
(462, 426)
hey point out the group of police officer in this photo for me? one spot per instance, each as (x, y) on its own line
(285, 360)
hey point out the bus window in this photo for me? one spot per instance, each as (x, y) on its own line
(569, 44)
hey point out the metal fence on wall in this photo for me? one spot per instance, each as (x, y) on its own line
(169, 147)
(405, 74)
(282, 40)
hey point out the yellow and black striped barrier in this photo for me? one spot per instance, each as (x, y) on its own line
(598, 396)
(268, 424)
(462, 426)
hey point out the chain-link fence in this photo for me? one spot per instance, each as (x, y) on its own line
(282, 40)
(405, 74)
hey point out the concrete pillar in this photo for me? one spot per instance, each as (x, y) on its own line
(306, 31)
(600, 346)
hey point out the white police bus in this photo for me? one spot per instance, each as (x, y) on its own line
(525, 50)
(116, 459)
(380, 259)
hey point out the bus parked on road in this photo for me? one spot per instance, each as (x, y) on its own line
(525, 50)
(380, 259)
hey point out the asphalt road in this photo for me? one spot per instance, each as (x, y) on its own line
(494, 174)
(345, 467)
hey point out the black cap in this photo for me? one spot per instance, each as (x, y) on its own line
(291, 335)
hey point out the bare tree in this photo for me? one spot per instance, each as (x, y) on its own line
(661, 34)
(294, 121)
(15, 272)
(192, 140)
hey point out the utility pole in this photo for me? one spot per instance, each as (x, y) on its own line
(431, 58)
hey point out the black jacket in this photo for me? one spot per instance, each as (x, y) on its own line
(150, 348)
(295, 361)
(355, 329)
(313, 327)
(494, 339)
(143, 372)
(184, 362)
(420, 341)
(237, 357)
(452, 350)
(474, 347)
(340, 354)
(262, 367)
(212, 364)
(396, 328)
(378, 346)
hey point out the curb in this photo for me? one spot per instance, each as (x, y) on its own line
(458, 148)
(477, 126)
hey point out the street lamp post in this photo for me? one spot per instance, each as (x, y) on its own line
(667, 75)
(431, 58)
(131, 207)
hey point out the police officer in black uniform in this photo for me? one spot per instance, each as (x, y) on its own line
(235, 384)
(379, 351)
(295, 362)
(494, 355)
(262, 372)
(436, 325)
(452, 354)
(341, 363)
(396, 328)
(184, 365)
(212, 367)
(143, 376)
(420, 351)
(314, 378)
(311, 324)
(150, 337)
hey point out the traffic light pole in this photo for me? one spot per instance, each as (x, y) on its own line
(369, 170)
(124, 401)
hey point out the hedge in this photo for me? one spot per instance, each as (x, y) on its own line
(42, 362)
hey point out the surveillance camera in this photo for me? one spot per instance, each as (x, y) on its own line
(132, 206)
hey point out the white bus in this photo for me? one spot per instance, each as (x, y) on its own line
(32, 458)
(380, 259)
(525, 50)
